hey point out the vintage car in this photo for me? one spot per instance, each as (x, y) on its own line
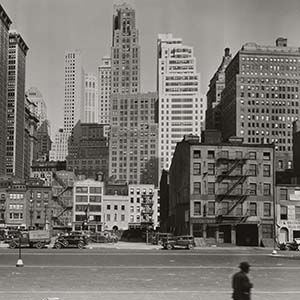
(182, 241)
(67, 241)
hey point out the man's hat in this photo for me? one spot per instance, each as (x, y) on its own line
(244, 265)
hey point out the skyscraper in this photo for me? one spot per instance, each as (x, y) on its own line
(133, 136)
(181, 106)
(104, 89)
(125, 52)
(35, 96)
(74, 89)
(16, 105)
(5, 23)
(90, 106)
(73, 103)
(216, 86)
(261, 97)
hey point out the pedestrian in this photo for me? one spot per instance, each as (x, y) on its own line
(241, 284)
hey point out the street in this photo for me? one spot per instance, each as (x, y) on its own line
(144, 274)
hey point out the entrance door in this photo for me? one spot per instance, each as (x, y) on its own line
(226, 232)
(247, 235)
(283, 235)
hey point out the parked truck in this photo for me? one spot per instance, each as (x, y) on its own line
(32, 238)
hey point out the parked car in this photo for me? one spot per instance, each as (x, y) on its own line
(182, 241)
(158, 237)
(103, 237)
(32, 238)
(66, 241)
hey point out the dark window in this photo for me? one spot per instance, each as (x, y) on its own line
(252, 170)
(267, 156)
(267, 231)
(253, 209)
(197, 154)
(210, 154)
(211, 208)
(211, 188)
(252, 188)
(197, 169)
(211, 169)
(197, 230)
(283, 194)
(197, 187)
(197, 208)
(267, 189)
(283, 213)
(267, 209)
(267, 171)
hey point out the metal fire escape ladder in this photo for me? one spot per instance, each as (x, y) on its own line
(241, 200)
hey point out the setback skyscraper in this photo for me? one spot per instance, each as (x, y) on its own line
(125, 52)
(181, 106)
(90, 106)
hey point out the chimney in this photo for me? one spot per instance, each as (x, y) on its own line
(281, 42)
(227, 52)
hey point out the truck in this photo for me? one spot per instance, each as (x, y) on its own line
(32, 238)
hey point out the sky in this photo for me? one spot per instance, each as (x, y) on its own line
(52, 27)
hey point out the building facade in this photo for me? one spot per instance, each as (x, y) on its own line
(40, 110)
(5, 23)
(260, 100)
(90, 106)
(288, 212)
(59, 147)
(88, 150)
(223, 192)
(43, 141)
(88, 205)
(181, 107)
(104, 89)
(125, 52)
(213, 96)
(16, 105)
(133, 136)
(296, 148)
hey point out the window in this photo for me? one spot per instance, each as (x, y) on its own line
(252, 169)
(211, 188)
(267, 171)
(115, 207)
(131, 209)
(252, 155)
(239, 209)
(81, 189)
(38, 195)
(267, 156)
(267, 231)
(81, 198)
(211, 208)
(108, 206)
(108, 218)
(197, 169)
(211, 169)
(123, 218)
(197, 188)
(224, 154)
(267, 209)
(283, 194)
(252, 188)
(253, 209)
(280, 164)
(123, 207)
(225, 208)
(267, 189)
(95, 198)
(297, 212)
(95, 190)
(283, 213)
(197, 230)
(210, 154)
(197, 154)
(239, 154)
(197, 208)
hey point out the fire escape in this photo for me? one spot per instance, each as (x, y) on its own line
(57, 196)
(233, 178)
(147, 210)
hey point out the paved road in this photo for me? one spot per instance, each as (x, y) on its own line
(121, 274)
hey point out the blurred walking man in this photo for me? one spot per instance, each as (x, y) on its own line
(241, 284)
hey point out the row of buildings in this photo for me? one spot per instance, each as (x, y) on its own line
(237, 181)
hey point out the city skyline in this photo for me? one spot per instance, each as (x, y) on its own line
(208, 27)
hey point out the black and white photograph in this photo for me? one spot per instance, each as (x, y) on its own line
(149, 149)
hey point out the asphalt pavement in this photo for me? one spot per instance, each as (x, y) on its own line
(124, 273)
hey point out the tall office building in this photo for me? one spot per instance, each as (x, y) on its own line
(216, 86)
(261, 97)
(73, 103)
(125, 52)
(5, 23)
(104, 89)
(181, 106)
(35, 96)
(74, 89)
(90, 106)
(133, 137)
(16, 105)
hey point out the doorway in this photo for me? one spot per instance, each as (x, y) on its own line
(247, 235)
